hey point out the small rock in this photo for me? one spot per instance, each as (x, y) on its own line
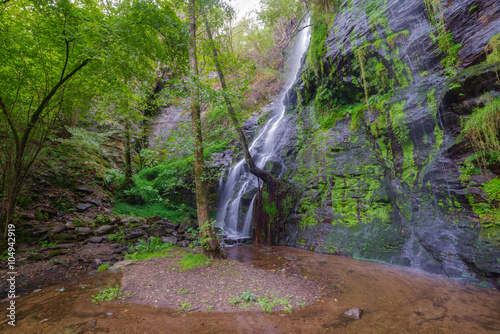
(82, 231)
(105, 229)
(55, 230)
(183, 243)
(37, 290)
(54, 253)
(95, 240)
(109, 314)
(35, 256)
(120, 265)
(134, 234)
(119, 249)
(130, 220)
(97, 262)
(354, 313)
(95, 202)
(83, 190)
(61, 246)
(172, 240)
(83, 206)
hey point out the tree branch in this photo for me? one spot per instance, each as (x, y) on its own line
(67, 50)
(11, 124)
(259, 172)
(41, 107)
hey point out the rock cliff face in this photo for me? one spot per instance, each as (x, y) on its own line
(378, 144)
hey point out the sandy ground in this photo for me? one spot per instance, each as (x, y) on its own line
(161, 282)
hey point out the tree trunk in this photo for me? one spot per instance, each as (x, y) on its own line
(209, 240)
(128, 157)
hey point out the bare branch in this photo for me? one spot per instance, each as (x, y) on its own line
(9, 120)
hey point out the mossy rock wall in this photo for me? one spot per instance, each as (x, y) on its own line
(382, 180)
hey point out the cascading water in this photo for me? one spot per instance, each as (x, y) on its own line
(234, 213)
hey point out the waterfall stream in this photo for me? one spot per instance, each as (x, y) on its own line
(236, 198)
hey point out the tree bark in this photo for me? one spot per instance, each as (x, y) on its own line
(209, 240)
(128, 157)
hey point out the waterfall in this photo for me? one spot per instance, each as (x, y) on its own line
(236, 199)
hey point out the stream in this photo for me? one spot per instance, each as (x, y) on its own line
(392, 299)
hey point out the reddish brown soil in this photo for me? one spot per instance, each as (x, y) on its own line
(162, 282)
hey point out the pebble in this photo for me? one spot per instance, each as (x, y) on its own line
(354, 313)
(109, 314)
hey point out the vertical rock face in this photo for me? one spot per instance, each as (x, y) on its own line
(384, 182)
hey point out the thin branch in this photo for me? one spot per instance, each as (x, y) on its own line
(297, 29)
(43, 104)
(67, 50)
(11, 124)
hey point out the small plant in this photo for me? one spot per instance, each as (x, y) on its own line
(103, 267)
(117, 237)
(191, 261)
(266, 304)
(154, 247)
(185, 307)
(248, 297)
(183, 291)
(209, 309)
(4, 254)
(234, 300)
(110, 293)
(46, 244)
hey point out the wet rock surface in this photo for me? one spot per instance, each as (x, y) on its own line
(389, 188)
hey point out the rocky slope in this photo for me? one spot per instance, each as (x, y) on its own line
(387, 182)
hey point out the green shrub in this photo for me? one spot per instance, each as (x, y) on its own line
(154, 247)
(174, 213)
(482, 130)
(191, 261)
(110, 293)
(103, 267)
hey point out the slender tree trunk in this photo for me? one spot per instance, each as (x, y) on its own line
(210, 243)
(128, 156)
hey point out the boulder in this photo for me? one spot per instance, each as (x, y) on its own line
(55, 230)
(105, 229)
(82, 231)
(134, 234)
(120, 265)
(83, 207)
(96, 240)
(172, 240)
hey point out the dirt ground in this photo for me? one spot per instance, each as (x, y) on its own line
(218, 287)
